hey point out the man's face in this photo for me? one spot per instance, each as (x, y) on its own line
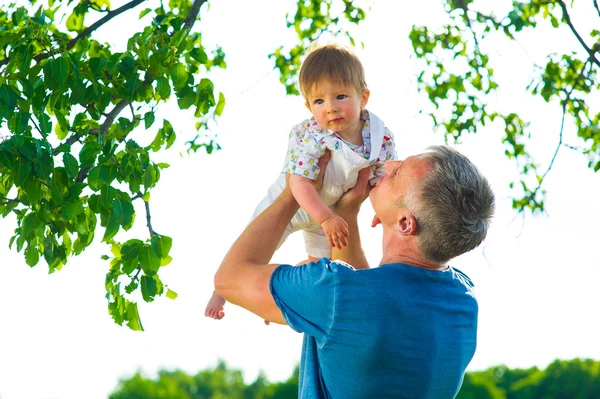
(401, 177)
(337, 107)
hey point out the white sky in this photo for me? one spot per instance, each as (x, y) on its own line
(536, 279)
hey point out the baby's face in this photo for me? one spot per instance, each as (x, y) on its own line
(336, 106)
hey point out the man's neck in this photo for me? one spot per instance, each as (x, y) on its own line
(403, 250)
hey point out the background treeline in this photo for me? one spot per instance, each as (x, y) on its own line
(562, 379)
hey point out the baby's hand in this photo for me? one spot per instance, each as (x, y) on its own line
(336, 230)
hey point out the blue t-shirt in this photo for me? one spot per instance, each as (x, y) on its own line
(396, 331)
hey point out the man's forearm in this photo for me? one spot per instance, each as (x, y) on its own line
(258, 241)
(353, 253)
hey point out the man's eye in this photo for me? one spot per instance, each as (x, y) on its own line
(341, 96)
(319, 101)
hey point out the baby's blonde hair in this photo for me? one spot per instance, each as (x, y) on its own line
(333, 61)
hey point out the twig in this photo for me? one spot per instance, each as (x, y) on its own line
(10, 201)
(596, 7)
(189, 21)
(562, 125)
(132, 112)
(36, 126)
(591, 52)
(148, 221)
(87, 31)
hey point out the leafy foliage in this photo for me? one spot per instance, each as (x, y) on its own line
(457, 77)
(70, 110)
(220, 382)
(562, 379)
(312, 20)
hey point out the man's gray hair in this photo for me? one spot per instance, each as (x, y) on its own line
(453, 207)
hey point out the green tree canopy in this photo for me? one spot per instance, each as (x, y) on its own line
(458, 78)
(220, 382)
(562, 379)
(72, 159)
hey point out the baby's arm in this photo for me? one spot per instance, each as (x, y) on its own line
(335, 228)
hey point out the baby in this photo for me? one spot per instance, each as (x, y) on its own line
(332, 82)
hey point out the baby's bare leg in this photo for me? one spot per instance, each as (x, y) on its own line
(214, 307)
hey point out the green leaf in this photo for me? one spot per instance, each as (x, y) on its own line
(6, 159)
(75, 21)
(161, 245)
(22, 171)
(33, 188)
(9, 97)
(186, 98)
(71, 165)
(43, 166)
(88, 153)
(32, 255)
(148, 119)
(97, 65)
(149, 289)
(129, 255)
(144, 12)
(45, 123)
(163, 88)
(60, 132)
(72, 208)
(112, 228)
(171, 294)
(220, 105)
(133, 317)
(179, 75)
(58, 73)
(123, 211)
(107, 195)
(150, 177)
(149, 261)
(165, 261)
(94, 178)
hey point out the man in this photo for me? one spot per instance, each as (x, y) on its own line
(406, 329)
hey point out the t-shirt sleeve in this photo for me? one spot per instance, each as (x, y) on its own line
(387, 153)
(305, 295)
(304, 151)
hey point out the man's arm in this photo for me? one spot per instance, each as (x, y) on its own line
(244, 275)
(348, 207)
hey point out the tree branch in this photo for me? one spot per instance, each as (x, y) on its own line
(9, 201)
(36, 126)
(562, 125)
(86, 32)
(190, 20)
(591, 52)
(148, 221)
(596, 7)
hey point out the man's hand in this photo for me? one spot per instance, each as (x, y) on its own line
(353, 198)
(336, 231)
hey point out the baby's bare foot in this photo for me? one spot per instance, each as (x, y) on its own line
(214, 308)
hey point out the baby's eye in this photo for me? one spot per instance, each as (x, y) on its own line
(319, 101)
(341, 96)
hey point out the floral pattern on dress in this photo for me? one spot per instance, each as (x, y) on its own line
(307, 143)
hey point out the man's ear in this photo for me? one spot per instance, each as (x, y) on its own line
(365, 98)
(407, 224)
